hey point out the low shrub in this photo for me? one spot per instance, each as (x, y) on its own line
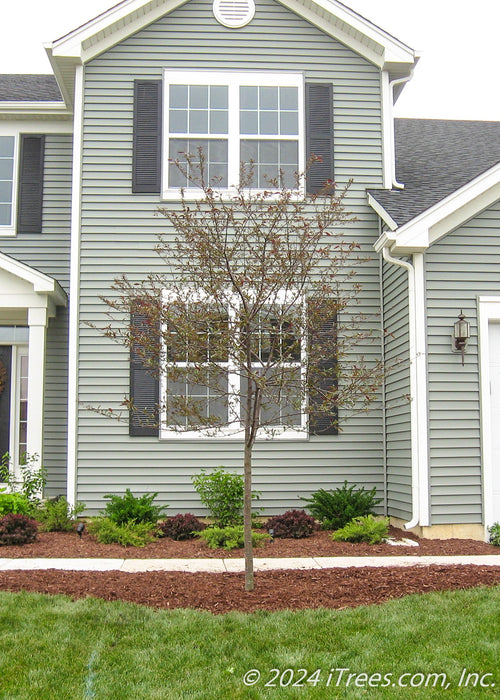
(494, 531)
(130, 534)
(293, 523)
(30, 479)
(128, 508)
(56, 515)
(180, 526)
(14, 503)
(222, 493)
(230, 537)
(337, 507)
(363, 529)
(16, 528)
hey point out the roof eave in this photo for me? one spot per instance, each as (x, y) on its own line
(23, 109)
(130, 16)
(444, 216)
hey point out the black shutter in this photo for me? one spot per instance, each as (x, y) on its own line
(319, 134)
(323, 382)
(144, 388)
(5, 385)
(146, 163)
(30, 190)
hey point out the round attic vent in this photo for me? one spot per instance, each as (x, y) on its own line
(234, 13)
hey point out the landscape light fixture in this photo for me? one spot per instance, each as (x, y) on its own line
(461, 334)
(80, 528)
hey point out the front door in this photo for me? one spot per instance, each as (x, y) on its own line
(494, 347)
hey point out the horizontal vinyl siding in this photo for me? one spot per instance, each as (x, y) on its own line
(48, 252)
(118, 235)
(459, 268)
(398, 419)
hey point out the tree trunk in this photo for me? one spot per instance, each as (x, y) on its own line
(247, 517)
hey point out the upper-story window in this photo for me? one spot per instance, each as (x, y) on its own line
(7, 153)
(21, 183)
(232, 118)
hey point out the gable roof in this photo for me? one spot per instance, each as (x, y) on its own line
(434, 158)
(29, 88)
(130, 16)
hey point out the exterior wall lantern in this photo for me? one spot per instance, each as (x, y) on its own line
(461, 334)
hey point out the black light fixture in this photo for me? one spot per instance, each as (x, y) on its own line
(80, 528)
(461, 334)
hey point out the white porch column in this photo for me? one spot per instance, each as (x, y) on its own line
(37, 322)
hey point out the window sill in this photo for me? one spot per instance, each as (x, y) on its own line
(227, 195)
(8, 232)
(227, 435)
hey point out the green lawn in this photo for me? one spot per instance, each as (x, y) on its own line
(55, 649)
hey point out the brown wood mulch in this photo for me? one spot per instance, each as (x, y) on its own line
(274, 590)
(320, 544)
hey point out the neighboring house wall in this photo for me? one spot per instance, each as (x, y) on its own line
(397, 392)
(118, 235)
(459, 268)
(48, 252)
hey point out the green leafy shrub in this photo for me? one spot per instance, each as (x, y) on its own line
(14, 503)
(230, 537)
(223, 494)
(56, 515)
(16, 528)
(128, 508)
(180, 526)
(31, 480)
(363, 529)
(494, 531)
(293, 523)
(129, 534)
(337, 507)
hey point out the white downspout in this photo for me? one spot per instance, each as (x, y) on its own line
(415, 475)
(74, 293)
(392, 83)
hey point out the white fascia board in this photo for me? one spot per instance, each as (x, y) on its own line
(363, 37)
(125, 19)
(451, 212)
(34, 110)
(110, 28)
(384, 215)
(42, 284)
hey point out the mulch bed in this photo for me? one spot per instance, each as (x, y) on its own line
(274, 590)
(320, 544)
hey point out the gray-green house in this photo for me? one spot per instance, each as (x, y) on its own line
(84, 163)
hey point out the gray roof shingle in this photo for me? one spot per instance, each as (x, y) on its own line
(29, 88)
(434, 158)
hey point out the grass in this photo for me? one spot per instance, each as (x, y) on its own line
(51, 647)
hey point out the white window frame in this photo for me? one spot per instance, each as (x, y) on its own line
(235, 429)
(233, 80)
(10, 229)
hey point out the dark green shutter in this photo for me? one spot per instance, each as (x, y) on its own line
(146, 162)
(323, 381)
(30, 190)
(319, 134)
(144, 387)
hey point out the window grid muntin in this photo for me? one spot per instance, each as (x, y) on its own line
(7, 174)
(234, 80)
(234, 380)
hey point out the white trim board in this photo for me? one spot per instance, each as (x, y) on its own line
(488, 310)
